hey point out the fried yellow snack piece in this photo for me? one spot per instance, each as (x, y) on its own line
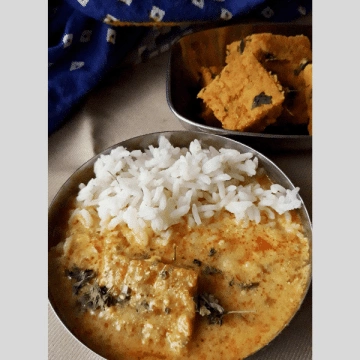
(158, 299)
(285, 56)
(244, 96)
(208, 74)
(307, 75)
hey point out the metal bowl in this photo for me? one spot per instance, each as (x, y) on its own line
(206, 48)
(70, 189)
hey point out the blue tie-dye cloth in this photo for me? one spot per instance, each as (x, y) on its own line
(85, 41)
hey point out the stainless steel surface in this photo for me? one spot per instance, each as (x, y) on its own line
(206, 48)
(177, 138)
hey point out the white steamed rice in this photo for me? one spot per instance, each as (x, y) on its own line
(159, 186)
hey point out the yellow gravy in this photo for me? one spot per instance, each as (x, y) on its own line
(258, 274)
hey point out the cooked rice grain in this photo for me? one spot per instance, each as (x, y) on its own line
(159, 186)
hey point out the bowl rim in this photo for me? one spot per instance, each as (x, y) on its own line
(225, 132)
(86, 170)
(303, 141)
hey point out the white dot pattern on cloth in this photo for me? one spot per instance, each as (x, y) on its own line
(111, 36)
(109, 19)
(83, 2)
(156, 13)
(302, 10)
(76, 65)
(67, 40)
(225, 14)
(199, 3)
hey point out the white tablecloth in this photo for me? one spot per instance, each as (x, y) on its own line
(132, 102)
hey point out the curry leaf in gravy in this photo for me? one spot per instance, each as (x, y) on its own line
(207, 305)
(90, 295)
(80, 276)
(244, 285)
(95, 297)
